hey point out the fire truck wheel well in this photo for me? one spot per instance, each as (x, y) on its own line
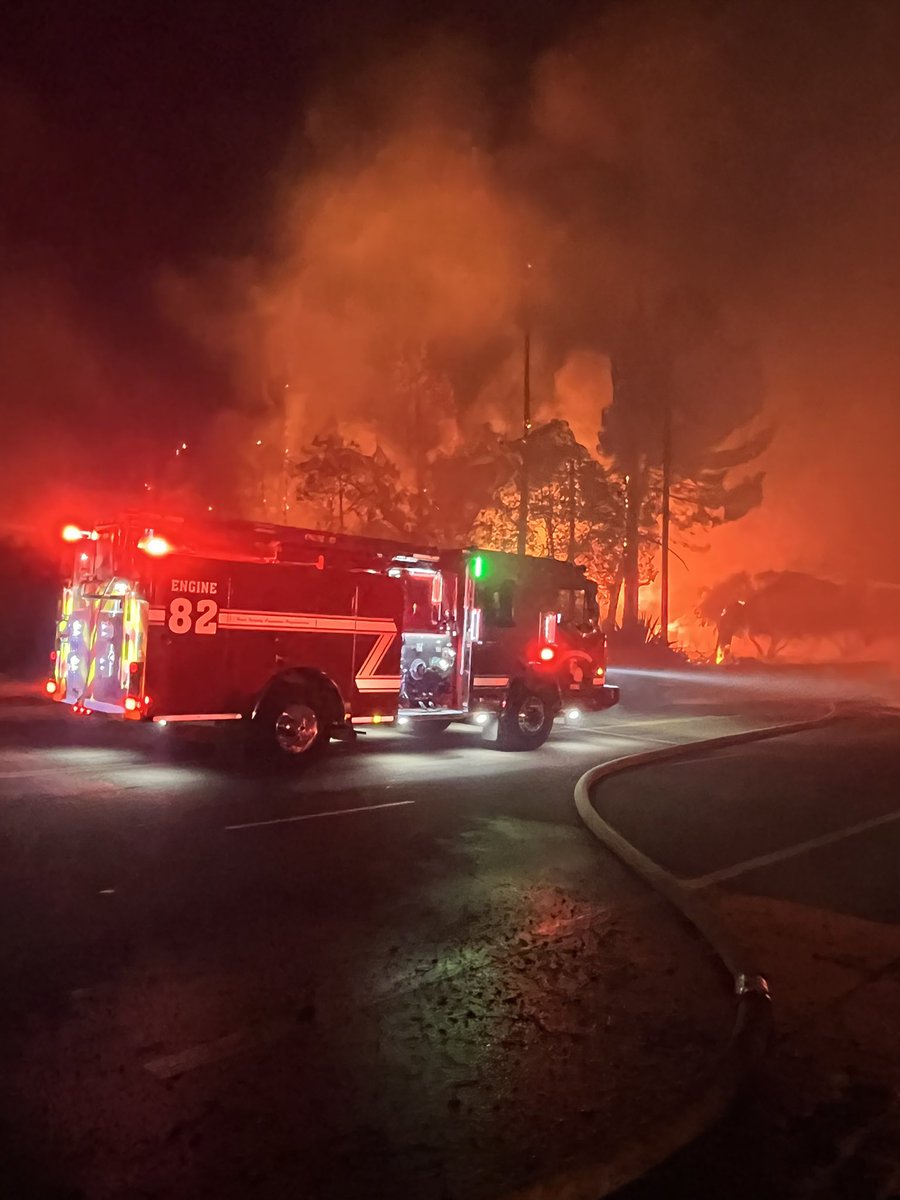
(548, 689)
(304, 679)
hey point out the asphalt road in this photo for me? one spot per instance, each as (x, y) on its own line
(812, 818)
(193, 946)
(797, 841)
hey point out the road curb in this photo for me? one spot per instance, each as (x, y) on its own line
(753, 1015)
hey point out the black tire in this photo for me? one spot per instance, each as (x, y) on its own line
(290, 726)
(427, 730)
(525, 722)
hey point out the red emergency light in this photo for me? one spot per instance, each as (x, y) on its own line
(71, 533)
(155, 546)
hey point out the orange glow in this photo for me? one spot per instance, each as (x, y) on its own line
(547, 654)
(131, 703)
(51, 685)
(155, 546)
(71, 533)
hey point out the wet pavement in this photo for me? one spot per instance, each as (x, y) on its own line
(795, 842)
(409, 971)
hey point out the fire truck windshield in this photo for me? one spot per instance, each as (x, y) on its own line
(577, 606)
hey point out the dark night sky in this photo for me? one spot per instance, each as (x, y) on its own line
(748, 147)
(163, 122)
(150, 135)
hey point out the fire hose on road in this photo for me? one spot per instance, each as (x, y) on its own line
(752, 1025)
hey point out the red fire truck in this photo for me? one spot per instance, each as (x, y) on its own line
(302, 635)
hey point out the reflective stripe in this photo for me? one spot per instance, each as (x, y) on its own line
(255, 620)
(168, 719)
(366, 679)
(378, 683)
(489, 681)
(239, 618)
(233, 618)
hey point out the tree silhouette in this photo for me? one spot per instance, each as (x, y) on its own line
(351, 491)
(672, 362)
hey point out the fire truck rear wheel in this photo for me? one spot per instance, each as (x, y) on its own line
(525, 723)
(291, 725)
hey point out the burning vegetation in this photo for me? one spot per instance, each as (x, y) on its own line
(699, 259)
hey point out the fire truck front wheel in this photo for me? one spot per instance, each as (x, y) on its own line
(525, 722)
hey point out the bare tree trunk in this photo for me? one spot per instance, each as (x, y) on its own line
(634, 499)
(664, 539)
(571, 502)
(776, 644)
(614, 593)
(419, 462)
(550, 524)
(522, 535)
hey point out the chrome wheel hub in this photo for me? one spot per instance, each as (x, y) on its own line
(531, 714)
(296, 728)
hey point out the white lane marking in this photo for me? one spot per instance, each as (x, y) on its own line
(332, 812)
(777, 856)
(694, 720)
(627, 737)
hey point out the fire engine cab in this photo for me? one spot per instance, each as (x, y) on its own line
(303, 635)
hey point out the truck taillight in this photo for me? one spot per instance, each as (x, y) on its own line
(547, 654)
(52, 687)
(135, 699)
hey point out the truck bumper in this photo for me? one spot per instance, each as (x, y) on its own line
(595, 700)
